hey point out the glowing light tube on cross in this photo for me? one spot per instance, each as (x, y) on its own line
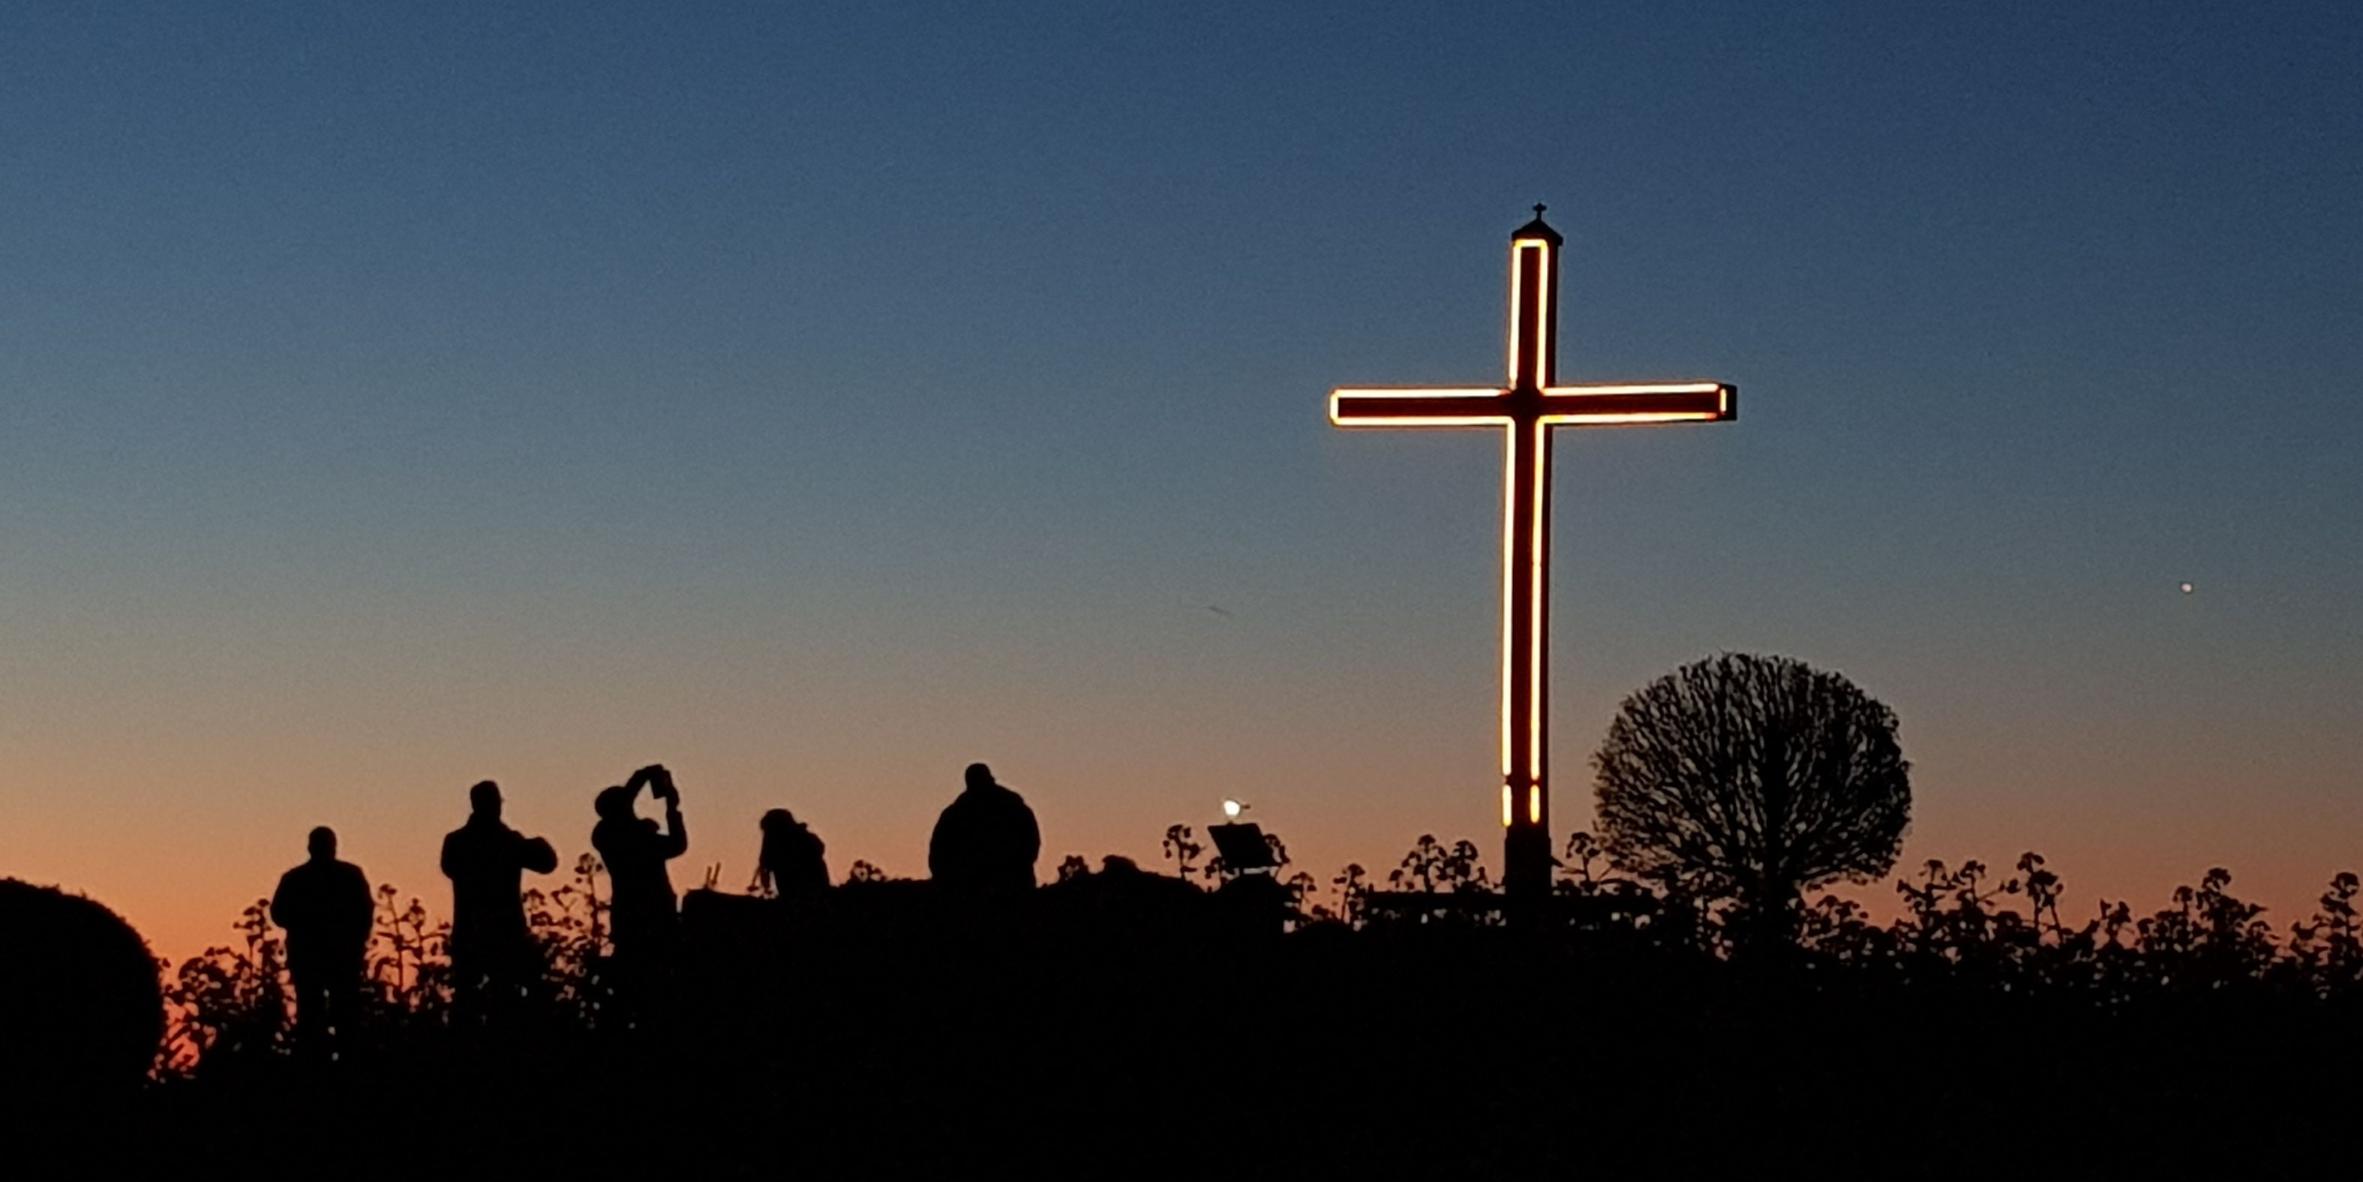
(1517, 273)
(1538, 557)
(1460, 406)
(1542, 313)
(1541, 327)
(1589, 389)
(1621, 405)
(1509, 538)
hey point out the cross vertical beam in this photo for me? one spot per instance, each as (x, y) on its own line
(1526, 550)
(1525, 412)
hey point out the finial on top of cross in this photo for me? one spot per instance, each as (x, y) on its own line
(1537, 230)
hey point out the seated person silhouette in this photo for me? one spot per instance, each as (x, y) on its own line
(986, 841)
(326, 908)
(793, 862)
(492, 952)
(643, 910)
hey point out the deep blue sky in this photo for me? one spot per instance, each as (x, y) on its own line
(817, 400)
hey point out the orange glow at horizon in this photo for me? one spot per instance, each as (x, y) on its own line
(218, 838)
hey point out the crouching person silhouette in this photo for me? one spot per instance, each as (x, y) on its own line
(986, 841)
(493, 960)
(794, 863)
(643, 911)
(325, 906)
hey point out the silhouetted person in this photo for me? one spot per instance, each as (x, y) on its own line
(325, 906)
(986, 841)
(644, 910)
(794, 862)
(492, 953)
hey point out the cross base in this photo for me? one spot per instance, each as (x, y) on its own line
(1527, 861)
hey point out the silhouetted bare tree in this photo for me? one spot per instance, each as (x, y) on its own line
(1753, 778)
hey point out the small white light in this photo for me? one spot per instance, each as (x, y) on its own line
(1231, 809)
(2186, 588)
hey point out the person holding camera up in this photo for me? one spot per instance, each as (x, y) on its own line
(643, 911)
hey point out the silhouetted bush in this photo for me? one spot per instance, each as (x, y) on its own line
(80, 1007)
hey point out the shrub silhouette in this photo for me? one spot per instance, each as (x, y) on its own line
(230, 1002)
(80, 1007)
(1752, 779)
(2329, 950)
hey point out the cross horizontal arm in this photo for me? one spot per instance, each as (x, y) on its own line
(1592, 405)
(1605, 405)
(1419, 407)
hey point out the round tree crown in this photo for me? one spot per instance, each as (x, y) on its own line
(1753, 778)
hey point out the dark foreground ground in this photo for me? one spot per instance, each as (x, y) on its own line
(1077, 1039)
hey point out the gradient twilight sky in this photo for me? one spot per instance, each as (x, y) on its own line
(816, 398)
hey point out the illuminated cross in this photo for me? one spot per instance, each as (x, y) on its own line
(1525, 412)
